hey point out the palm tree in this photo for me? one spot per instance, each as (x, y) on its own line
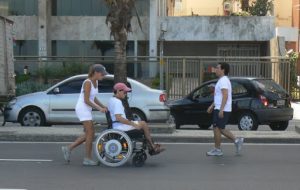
(118, 19)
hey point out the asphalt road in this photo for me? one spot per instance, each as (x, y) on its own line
(181, 167)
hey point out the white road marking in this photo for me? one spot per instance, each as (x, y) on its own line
(245, 144)
(25, 160)
(13, 189)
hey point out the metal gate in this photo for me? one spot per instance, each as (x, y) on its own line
(183, 74)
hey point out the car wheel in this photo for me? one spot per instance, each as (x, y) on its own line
(138, 115)
(32, 117)
(172, 122)
(279, 126)
(204, 127)
(247, 122)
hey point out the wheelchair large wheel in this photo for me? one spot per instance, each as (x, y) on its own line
(113, 148)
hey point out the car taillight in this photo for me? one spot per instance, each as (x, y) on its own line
(162, 98)
(264, 100)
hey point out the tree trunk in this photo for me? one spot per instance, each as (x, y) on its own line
(120, 67)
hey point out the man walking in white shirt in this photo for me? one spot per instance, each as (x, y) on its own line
(221, 109)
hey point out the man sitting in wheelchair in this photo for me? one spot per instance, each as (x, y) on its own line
(120, 122)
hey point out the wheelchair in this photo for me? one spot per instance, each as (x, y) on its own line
(115, 147)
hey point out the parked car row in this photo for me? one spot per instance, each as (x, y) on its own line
(57, 104)
(256, 101)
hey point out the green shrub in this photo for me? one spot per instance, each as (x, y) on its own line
(22, 78)
(30, 87)
(62, 71)
(260, 7)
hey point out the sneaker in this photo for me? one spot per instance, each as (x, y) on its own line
(89, 162)
(238, 144)
(215, 152)
(66, 152)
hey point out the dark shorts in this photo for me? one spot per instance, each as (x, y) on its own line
(220, 122)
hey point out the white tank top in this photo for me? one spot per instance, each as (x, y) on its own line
(94, 91)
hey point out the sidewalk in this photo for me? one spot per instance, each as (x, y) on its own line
(51, 134)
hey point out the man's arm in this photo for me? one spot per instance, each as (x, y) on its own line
(211, 108)
(224, 100)
(120, 119)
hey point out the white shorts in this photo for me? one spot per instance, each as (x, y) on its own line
(124, 127)
(84, 114)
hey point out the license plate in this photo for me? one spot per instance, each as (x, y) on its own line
(280, 102)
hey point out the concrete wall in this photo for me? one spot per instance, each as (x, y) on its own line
(204, 28)
(25, 27)
(215, 28)
(289, 33)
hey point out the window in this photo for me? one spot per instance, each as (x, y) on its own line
(79, 8)
(71, 87)
(106, 86)
(269, 86)
(206, 91)
(91, 7)
(18, 7)
(26, 48)
(238, 89)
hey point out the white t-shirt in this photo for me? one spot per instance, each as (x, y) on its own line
(116, 107)
(223, 83)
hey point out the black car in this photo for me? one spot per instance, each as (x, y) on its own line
(255, 101)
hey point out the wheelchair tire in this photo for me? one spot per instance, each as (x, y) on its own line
(109, 149)
(138, 160)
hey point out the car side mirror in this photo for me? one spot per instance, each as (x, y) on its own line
(56, 90)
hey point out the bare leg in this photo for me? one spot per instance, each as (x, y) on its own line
(77, 142)
(228, 134)
(145, 128)
(90, 133)
(217, 137)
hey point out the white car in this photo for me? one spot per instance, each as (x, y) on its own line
(57, 104)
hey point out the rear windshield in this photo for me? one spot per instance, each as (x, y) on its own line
(269, 86)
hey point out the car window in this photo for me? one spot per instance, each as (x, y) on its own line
(71, 87)
(269, 86)
(106, 86)
(206, 91)
(238, 89)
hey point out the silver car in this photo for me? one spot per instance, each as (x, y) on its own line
(57, 104)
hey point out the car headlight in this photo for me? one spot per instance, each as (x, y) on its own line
(12, 102)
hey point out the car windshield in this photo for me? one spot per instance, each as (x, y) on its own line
(269, 86)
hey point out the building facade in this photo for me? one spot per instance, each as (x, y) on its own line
(77, 28)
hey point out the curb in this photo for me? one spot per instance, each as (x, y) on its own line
(156, 137)
(224, 140)
(297, 129)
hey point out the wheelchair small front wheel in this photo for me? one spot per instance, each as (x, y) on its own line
(138, 160)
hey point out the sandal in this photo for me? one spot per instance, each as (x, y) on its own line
(156, 150)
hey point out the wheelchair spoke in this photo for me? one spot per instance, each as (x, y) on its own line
(121, 137)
